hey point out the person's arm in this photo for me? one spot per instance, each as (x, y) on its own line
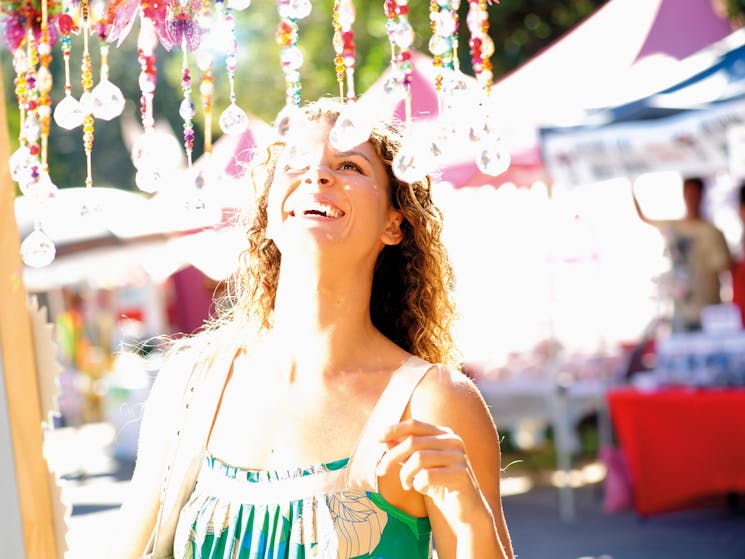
(450, 454)
(136, 518)
(722, 257)
(638, 208)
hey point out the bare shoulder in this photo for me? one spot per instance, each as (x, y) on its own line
(449, 398)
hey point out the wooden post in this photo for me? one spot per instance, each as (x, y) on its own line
(19, 372)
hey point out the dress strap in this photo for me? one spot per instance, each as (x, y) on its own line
(387, 411)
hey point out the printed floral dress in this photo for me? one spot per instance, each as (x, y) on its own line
(221, 521)
(328, 511)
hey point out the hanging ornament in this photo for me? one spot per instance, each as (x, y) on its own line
(207, 92)
(480, 45)
(286, 37)
(187, 110)
(412, 163)
(108, 101)
(31, 129)
(233, 119)
(44, 83)
(343, 42)
(401, 37)
(352, 127)
(493, 158)
(68, 113)
(37, 250)
(443, 44)
(86, 99)
(182, 29)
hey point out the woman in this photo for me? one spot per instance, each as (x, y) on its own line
(325, 431)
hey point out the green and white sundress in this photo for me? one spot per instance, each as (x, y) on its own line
(331, 510)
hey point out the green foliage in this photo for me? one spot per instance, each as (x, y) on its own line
(735, 10)
(520, 28)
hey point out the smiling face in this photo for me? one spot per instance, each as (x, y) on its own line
(322, 197)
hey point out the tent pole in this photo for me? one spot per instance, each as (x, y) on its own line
(19, 374)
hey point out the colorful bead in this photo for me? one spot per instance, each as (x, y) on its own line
(344, 62)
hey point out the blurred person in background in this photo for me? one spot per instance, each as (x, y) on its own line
(738, 268)
(698, 253)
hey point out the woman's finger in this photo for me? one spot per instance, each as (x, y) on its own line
(399, 452)
(430, 459)
(412, 427)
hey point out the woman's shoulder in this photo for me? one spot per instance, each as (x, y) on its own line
(447, 395)
(183, 355)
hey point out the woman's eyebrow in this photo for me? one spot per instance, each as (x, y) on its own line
(349, 153)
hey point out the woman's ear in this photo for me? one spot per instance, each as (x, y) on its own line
(392, 234)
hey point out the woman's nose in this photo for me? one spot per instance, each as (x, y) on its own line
(319, 173)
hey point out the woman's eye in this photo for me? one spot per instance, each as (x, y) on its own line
(350, 166)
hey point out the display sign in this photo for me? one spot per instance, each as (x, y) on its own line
(696, 142)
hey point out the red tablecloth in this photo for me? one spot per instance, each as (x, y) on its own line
(681, 444)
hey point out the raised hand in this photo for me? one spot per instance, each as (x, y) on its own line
(434, 462)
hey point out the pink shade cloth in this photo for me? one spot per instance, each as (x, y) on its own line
(242, 154)
(423, 92)
(669, 33)
(194, 296)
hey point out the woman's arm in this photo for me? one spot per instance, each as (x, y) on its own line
(450, 453)
(137, 516)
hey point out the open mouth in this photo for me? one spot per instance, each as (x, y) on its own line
(318, 210)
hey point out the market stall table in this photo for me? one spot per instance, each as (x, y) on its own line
(682, 444)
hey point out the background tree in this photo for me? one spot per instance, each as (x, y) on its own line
(519, 28)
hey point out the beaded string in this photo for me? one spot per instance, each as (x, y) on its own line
(343, 19)
(148, 71)
(207, 91)
(401, 37)
(20, 61)
(86, 81)
(290, 55)
(480, 45)
(492, 158)
(44, 84)
(206, 85)
(31, 129)
(233, 119)
(443, 43)
(108, 100)
(187, 109)
(36, 249)
(67, 113)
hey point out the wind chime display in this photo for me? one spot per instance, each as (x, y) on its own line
(35, 30)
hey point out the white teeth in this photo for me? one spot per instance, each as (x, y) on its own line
(318, 209)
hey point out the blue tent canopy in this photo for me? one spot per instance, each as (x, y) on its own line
(688, 127)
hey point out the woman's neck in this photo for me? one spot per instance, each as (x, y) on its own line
(321, 320)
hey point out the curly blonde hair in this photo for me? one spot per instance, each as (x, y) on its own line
(411, 300)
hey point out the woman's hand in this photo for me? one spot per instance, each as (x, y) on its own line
(434, 462)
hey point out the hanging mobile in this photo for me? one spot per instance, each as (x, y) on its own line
(68, 113)
(410, 164)
(354, 124)
(37, 249)
(291, 57)
(108, 101)
(343, 42)
(492, 157)
(233, 119)
(86, 99)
